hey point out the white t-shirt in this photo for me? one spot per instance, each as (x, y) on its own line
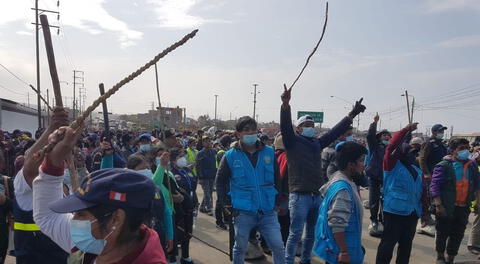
(23, 192)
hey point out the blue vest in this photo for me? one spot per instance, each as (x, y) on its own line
(252, 189)
(325, 246)
(402, 194)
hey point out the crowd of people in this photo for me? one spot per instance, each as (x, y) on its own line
(292, 195)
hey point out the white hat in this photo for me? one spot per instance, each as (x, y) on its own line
(416, 140)
(304, 119)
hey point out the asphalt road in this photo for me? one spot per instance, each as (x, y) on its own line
(422, 253)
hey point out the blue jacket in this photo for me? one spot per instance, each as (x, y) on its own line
(325, 246)
(252, 189)
(206, 164)
(402, 193)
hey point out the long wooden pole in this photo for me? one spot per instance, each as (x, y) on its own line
(56, 89)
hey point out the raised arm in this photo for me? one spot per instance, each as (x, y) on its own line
(286, 126)
(48, 188)
(392, 153)
(30, 167)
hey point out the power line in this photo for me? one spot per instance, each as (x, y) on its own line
(14, 75)
(22, 94)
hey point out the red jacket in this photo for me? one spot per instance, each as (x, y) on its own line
(149, 252)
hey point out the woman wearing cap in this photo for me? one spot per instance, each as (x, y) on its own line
(102, 222)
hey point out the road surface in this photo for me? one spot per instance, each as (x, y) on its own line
(422, 253)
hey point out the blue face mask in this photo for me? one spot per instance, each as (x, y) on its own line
(157, 161)
(82, 238)
(145, 147)
(308, 132)
(147, 172)
(440, 136)
(249, 140)
(385, 142)
(349, 138)
(463, 154)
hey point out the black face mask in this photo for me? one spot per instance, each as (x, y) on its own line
(408, 154)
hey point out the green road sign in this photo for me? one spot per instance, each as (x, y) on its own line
(317, 116)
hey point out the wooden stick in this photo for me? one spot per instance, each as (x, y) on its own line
(51, 60)
(314, 49)
(56, 90)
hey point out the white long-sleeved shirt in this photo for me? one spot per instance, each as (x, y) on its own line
(46, 190)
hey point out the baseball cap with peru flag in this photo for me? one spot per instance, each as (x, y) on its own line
(121, 188)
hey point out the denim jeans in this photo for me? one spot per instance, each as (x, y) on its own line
(269, 228)
(207, 186)
(303, 211)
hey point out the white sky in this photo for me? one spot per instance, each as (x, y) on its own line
(373, 49)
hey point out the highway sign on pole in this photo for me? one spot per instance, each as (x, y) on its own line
(317, 116)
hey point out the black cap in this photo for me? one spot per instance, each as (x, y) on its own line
(438, 127)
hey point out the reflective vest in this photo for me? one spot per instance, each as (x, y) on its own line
(191, 157)
(325, 246)
(218, 155)
(402, 193)
(252, 189)
(31, 245)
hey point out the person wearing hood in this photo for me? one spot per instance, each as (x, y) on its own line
(102, 222)
(245, 183)
(339, 227)
(404, 198)
(305, 172)
(328, 153)
(455, 184)
(377, 143)
(431, 153)
(184, 211)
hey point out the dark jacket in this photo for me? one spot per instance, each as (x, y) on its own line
(431, 153)
(304, 154)
(206, 164)
(376, 148)
(443, 183)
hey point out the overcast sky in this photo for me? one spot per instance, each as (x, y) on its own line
(373, 49)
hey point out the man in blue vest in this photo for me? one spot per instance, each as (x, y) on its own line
(404, 198)
(339, 227)
(31, 245)
(248, 171)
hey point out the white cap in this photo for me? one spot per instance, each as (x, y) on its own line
(416, 140)
(304, 119)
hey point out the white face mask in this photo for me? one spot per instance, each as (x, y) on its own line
(182, 162)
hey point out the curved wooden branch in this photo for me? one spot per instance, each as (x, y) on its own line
(315, 49)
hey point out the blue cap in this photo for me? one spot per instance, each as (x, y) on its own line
(93, 136)
(438, 127)
(145, 136)
(121, 188)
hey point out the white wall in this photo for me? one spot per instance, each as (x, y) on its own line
(13, 120)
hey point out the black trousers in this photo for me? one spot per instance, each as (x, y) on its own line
(397, 229)
(219, 214)
(450, 231)
(374, 199)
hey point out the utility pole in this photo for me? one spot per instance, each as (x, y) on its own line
(48, 109)
(75, 77)
(28, 99)
(37, 55)
(255, 99)
(408, 107)
(215, 120)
